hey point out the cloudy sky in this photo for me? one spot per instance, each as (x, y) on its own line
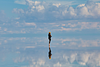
(57, 16)
(74, 25)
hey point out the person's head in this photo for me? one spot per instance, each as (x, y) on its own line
(49, 32)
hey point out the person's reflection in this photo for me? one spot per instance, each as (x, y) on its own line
(50, 52)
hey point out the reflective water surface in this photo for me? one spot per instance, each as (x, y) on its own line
(67, 51)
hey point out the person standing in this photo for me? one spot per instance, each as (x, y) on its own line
(49, 37)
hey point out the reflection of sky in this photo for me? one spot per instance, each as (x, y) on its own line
(66, 51)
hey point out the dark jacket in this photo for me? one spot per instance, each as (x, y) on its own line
(49, 36)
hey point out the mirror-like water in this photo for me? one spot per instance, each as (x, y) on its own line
(66, 52)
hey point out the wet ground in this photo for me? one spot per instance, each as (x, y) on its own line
(67, 51)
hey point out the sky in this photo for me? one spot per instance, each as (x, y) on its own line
(27, 16)
(74, 26)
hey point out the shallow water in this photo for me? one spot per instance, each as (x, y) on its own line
(67, 51)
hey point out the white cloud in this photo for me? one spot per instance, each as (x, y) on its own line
(5, 41)
(3, 17)
(63, 58)
(20, 2)
(57, 65)
(46, 11)
(77, 43)
(18, 11)
(73, 26)
(63, 24)
(85, 58)
(29, 47)
(41, 62)
(19, 59)
(72, 58)
(40, 11)
(81, 5)
(57, 5)
(39, 8)
(85, 12)
(17, 18)
(37, 2)
(29, 2)
(98, 4)
(5, 29)
(59, 26)
(30, 24)
(65, 29)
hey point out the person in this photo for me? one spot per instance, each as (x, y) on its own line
(49, 37)
(50, 52)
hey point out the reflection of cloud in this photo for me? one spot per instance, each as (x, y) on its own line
(19, 59)
(36, 55)
(60, 59)
(72, 58)
(33, 62)
(88, 59)
(37, 63)
(57, 65)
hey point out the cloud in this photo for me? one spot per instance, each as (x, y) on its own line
(18, 11)
(39, 8)
(70, 58)
(30, 24)
(21, 26)
(29, 20)
(5, 41)
(23, 42)
(57, 65)
(57, 5)
(27, 51)
(20, 2)
(86, 59)
(81, 5)
(42, 11)
(3, 17)
(75, 43)
(71, 26)
(33, 62)
(29, 47)
(33, 41)
(37, 2)
(5, 29)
